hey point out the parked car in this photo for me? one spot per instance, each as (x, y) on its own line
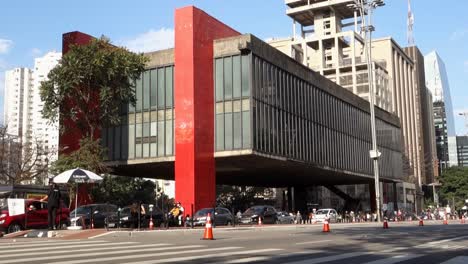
(126, 218)
(266, 212)
(220, 216)
(322, 214)
(285, 218)
(35, 216)
(99, 213)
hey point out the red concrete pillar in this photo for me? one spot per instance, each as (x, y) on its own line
(195, 177)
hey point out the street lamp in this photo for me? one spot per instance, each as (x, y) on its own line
(365, 7)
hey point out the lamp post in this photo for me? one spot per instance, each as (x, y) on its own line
(365, 7)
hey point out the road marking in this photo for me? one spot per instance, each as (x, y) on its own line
(217, 255)
(271, 258)
(312, 242)
(457, 260)
(103, 234)
(329, 258)
(89, 256)
(394, 259)
(46, 251)
(58, 242)
(131, 256)
(433, 243)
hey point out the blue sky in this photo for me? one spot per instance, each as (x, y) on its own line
(30, 30)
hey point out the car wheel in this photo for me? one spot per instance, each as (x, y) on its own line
(229, 223)
(14, 227)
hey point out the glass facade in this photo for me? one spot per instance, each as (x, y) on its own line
(232, 99)
(294, 119)
(146, 130)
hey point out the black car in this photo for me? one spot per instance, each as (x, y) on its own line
(267, 214)
(285, 218)
(219, 216)
(98, 212)
(126, 218)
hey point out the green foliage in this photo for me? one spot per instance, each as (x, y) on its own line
(124, 191)
(89, 157)
(454, 185)
(90, 85)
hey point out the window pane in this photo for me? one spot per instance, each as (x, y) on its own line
(161, 82)
(153, 138)
(145, 139)
(245, 75)
(131, 141)
(246, 129)
(138, 140)
(219, 80)
(228, 78)
(169, 85)
(161, 138)
(139, 94)
(228, 131)
(116, 143)
(236, 80)
(154, 86)
(220, 132)
(237, 131)
(169, 137)
(146, 90)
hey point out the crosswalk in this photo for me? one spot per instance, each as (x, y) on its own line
(132, 252)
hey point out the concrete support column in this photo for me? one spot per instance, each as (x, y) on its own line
(291, 206)
(395, 196)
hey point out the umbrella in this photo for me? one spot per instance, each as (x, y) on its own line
(77, 176)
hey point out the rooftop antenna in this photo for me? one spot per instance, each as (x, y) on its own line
(410, 23)
(465, 115)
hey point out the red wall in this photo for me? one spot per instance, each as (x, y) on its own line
(195, 177)
(69, 141)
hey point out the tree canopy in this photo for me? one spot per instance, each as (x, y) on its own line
(454, 185)
(90, 85)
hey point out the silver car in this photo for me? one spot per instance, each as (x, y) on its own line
(322, 214)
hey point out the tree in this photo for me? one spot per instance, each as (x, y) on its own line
(241, 197)
(22, 162)
(454, 185)
(90, 85)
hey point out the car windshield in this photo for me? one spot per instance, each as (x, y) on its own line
(82, 210)
(322, 212)
(254, 210)
(204, 212)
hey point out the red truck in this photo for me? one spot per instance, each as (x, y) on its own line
(35, 217)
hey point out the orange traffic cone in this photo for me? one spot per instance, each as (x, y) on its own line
(421, 223)
(151, 225)
(385, 224)
(259, 221)
(326, 226)
(445, 220)
(208, 235)
(462, 221)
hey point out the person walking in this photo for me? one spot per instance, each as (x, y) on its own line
(53, 203)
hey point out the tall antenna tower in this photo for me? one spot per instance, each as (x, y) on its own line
(410, 23)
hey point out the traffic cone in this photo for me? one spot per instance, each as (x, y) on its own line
(462, 221)
(151, 225)
(421, 223)
(445, 220)
(385, 224)
(259, 221)
(208, 235)
(326, 226)
(92, 223)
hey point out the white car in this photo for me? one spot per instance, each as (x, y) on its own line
(321, 214)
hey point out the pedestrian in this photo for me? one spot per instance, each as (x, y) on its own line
(298, 218)
(53, 203)
(137, 210)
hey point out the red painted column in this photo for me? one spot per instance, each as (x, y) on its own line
(195, 177)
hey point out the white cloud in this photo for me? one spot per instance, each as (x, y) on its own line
(5, 45)
(151, 40)
(458, 34)
(36, 52)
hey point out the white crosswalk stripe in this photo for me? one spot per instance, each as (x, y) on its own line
(65, 246)
(457, 260)
(394, 259)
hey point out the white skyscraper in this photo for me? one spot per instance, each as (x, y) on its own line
(23, 106)
(17, 101)
(45, 133)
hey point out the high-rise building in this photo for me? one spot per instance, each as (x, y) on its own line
(45, 133)
(23, 106)
(462, 150)
(18, 105)
(437, 83)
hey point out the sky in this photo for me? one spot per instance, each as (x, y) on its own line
(30, 29)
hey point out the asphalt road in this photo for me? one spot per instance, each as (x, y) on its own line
(300, 244)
